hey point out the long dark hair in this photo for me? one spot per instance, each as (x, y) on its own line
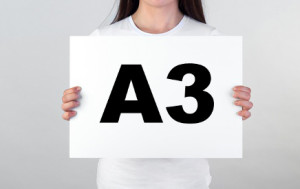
(191, 8)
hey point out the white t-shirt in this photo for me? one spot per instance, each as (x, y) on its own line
(158, 173)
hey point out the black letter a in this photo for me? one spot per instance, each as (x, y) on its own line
(144, 104)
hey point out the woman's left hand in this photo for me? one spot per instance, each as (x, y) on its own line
(243, 94)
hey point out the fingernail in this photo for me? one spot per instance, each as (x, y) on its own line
(236, 103)
(234, 88)
(77, 102)
(78, 88)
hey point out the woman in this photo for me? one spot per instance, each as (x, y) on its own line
(156, 17)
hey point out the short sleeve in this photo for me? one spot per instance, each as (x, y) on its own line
(216, 32)
(94, 33)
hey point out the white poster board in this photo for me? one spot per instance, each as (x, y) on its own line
(95, 63)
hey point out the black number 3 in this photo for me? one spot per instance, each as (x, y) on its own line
(204, 99)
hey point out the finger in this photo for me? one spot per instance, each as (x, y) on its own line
(244, 113)
(242, 88)
(70, 97)
(244, 118)
(69, 105)
(241, 95)
(247, 105)
(68, 115)
(72, 90)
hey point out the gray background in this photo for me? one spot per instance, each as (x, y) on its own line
(34, 72)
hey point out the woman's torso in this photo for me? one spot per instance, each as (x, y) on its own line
(159, 172)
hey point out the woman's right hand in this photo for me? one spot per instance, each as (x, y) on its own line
(70, 100)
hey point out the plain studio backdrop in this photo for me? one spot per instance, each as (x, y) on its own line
(34, 72)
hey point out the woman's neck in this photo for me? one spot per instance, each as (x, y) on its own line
(157, 19)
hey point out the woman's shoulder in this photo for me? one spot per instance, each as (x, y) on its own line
(123, 27)
(195, 27)
(118, 28)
